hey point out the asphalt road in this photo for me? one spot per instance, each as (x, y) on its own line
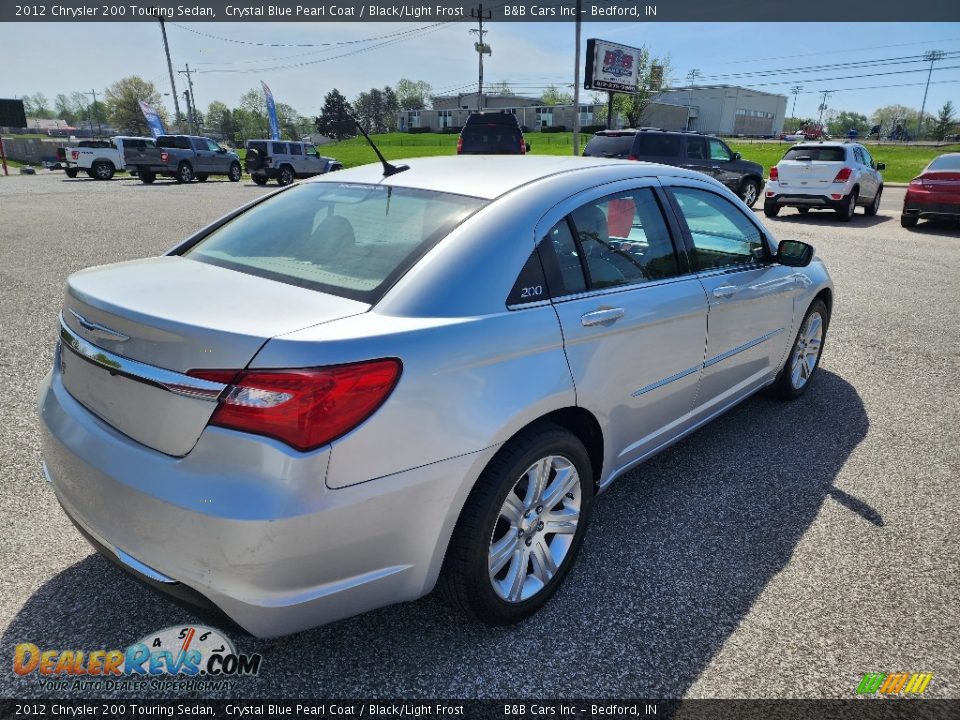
(782, 551)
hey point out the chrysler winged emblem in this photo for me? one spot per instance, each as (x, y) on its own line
(101, 332)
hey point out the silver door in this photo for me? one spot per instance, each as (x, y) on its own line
(751, 298)
(634, 325)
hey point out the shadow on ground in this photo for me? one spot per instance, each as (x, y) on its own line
(677, 554)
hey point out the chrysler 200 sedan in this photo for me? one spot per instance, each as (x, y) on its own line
(368, 385)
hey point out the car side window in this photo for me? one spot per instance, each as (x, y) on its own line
(696, 148)
(721, 233)
(199, 144)
(279, 148)
(311, 150)
(211, 145)
(183, 143)
(624, 239)
(867, 160)
(560, 258)
(296, 149)
(719, 151)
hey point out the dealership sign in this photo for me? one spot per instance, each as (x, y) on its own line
(612, 67)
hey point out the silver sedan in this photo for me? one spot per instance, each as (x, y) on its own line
(367, 385)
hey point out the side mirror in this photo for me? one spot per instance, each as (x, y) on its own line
(221, 150)
(881, 166)
(794, 253)
(737, 156)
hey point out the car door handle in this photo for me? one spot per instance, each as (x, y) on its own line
(725, 291)
(601, 317)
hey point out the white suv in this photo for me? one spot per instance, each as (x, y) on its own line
(832, 175)
(286, 161)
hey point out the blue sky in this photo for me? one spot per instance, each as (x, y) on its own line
(63, 57)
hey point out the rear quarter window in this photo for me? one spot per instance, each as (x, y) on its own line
(656, 145)
(260, 147)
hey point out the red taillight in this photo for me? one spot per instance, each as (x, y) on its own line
(631, 157)
(75, 154)
(774, 173)
(523, 146)
(304, 408)
(459, 145)
(164, 156)
(843, 175)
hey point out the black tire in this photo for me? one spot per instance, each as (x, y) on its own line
(184, 172)
(849, 207)
(749, 192)
(783, 387)
(286, 176)
(71, 172)
(147, 178)
(103, 170)
(202, 178)
(874, 207)
(803, 211)
(908, 221)
(236, 172)
(260, 179)
(465, 580)
(91, 174)
(771, 209)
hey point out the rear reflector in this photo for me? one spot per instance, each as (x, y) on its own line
(164, 156)
(843, 175)
(304, 408)
(774, 173)
(836, 196)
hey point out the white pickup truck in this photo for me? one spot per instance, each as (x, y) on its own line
(100, 159)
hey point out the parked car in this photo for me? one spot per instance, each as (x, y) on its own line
(184, 158)
(99, 159)
(703, 153)
(492, 133)
(825, 175)
(368, 383)
(285, 161)
(934, 193)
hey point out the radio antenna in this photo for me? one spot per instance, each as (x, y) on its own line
(388, 168)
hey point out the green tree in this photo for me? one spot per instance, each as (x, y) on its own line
(37, 106)
(889, 116)
(219, 121)
(552, 95)
(413, 95)
(842, 122)
(945, 121)
(391, 108)
(122, 100)
(334, 119)
(502, 89)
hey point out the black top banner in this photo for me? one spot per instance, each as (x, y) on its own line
(809, 11)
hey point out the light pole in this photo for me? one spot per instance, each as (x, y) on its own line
(932, 56)
(576, 87)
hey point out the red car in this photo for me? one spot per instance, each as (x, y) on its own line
(935, 193)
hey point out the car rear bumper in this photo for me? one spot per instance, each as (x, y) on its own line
(931, 204)
(800, 200)
(249, 526)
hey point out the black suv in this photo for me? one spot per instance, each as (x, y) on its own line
(703, 153)
(492, 133)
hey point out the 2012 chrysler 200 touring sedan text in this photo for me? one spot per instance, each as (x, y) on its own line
(371, 382)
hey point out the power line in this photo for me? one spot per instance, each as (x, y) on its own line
(836, 52)
(903, 60)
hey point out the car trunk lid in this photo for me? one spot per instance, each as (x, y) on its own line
(132, 331)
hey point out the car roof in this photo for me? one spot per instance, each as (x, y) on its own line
(825, 143)
(487, 176)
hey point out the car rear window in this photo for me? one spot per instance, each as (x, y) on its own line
(656, 145)
(945, 162)
(258, 145)
(493, 139)
(609, 145)
(815, 153)
(352, 240)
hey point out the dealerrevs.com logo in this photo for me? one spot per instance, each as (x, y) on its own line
(190, 657)
(894, 683)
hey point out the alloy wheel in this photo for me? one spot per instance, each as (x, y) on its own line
(535, 528)
(806, 352)
(750, 194)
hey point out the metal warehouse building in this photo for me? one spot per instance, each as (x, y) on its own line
(719, 109)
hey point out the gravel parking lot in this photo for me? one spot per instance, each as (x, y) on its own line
(782, 551)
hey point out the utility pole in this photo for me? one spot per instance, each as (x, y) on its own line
(576, 87)
(693, 75)
(796, 90)
(932, 56)
(93, 109)
(191, 100)
(823, 106)
(173, 85)
(480, 46)
(190, 116)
